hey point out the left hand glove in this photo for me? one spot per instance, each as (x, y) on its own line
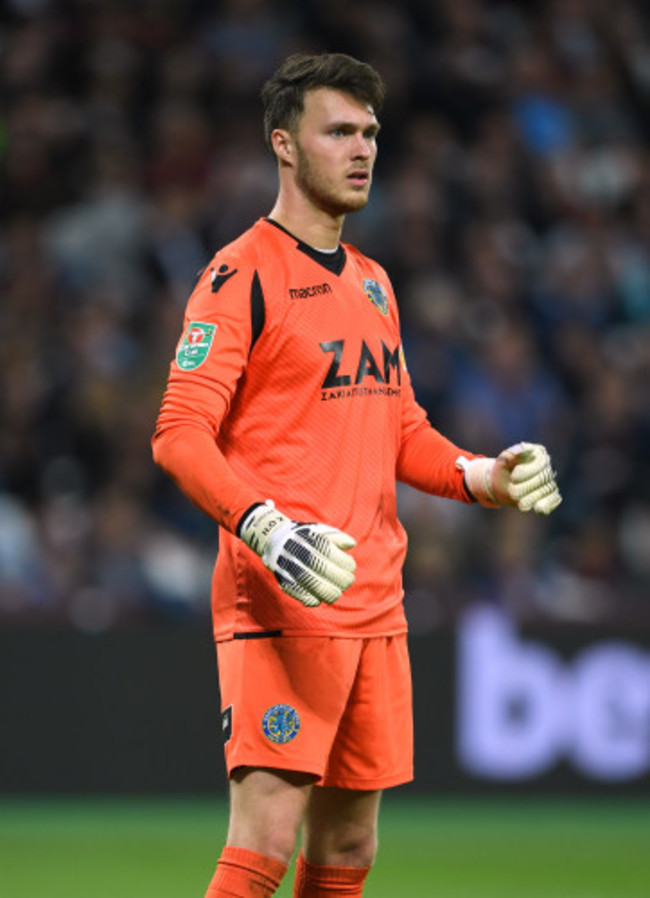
(520, 476)
(309, 561)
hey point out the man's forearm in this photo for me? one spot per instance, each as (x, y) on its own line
(191, 457)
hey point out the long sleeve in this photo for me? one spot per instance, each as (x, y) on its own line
(427, 461)
(210, 361)
(191, 457)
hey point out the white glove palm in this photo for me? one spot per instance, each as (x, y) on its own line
(520, 476)
(307, 560)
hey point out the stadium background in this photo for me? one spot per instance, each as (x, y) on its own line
(512, 209)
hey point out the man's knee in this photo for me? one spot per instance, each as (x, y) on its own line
(353, 845)
(266, 809)
(277, 841)
(341, 828)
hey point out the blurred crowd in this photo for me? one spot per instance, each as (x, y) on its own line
(511, 207)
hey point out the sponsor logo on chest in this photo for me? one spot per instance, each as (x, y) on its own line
(358, 371)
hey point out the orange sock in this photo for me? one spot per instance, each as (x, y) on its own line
(242, 873)
(319, 881)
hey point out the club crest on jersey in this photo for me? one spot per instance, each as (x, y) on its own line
(376, 294)
(281, 724)
(195, 345)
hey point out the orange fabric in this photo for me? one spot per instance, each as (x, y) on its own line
(320, 881)
(242, 873)
(423, 462)
(338, 708)
(191, 457)
(319, 416)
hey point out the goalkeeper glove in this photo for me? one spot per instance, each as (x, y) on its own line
(520, 476)
(307, 560)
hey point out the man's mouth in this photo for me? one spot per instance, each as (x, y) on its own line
(359, 178)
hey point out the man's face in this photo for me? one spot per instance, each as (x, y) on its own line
(336, 147)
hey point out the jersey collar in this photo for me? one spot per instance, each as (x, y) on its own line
(333, 262)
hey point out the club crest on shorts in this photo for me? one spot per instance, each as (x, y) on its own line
(281, 724)
(195, 345)
(376, 294)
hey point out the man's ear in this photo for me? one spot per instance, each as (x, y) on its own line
(283, 146)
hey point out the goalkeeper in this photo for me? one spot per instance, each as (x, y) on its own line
(288, 418)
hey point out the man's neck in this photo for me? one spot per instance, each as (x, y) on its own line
(313, 227)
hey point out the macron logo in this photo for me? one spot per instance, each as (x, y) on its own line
(219, 278)
(304, 292)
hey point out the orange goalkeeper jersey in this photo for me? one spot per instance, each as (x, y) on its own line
(289, 383)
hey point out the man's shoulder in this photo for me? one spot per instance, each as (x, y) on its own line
(248, 246)
(232, 269)
(364, 262)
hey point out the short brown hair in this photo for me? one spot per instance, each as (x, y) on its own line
(283, 94)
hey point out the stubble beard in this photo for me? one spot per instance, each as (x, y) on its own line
(323, 195)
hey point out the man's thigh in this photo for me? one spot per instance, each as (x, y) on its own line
(266, 810)
(374, 741)
(338, 708)
(282, 699)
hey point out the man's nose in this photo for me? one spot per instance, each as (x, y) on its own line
(362, 147)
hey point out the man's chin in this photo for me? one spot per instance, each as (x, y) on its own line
(357, 201)
(341, 205)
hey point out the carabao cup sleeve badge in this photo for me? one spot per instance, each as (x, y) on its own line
(281, 724)
(195, 345)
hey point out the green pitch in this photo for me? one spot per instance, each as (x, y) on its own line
(167, 848)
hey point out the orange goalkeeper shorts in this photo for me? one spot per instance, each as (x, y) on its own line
(340, 709)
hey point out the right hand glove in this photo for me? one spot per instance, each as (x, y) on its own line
(520, 476)
(307, 560)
